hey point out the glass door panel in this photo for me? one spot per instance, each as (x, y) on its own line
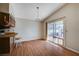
(55, 32)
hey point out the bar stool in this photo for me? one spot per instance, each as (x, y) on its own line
(17, 40)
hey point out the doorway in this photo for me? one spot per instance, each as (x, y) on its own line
(55, 32)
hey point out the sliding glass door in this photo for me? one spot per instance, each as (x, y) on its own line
(55, 32)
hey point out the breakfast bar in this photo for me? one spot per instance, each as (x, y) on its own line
(7, 42)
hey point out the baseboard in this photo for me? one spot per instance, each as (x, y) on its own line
(72, 50)
(22, 40)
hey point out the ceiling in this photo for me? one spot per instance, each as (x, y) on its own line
(28, 10)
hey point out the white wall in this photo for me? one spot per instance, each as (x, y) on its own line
(71, 13)
(28, 30)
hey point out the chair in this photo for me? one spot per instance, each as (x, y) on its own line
(18, 40)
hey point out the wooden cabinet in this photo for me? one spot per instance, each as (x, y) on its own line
(6, 20)
(6, 43)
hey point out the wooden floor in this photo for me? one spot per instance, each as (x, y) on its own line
(40, 48)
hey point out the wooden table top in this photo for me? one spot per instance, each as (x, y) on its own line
(8, 35)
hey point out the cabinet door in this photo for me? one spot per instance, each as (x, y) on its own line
(4, 20)
(4, 45)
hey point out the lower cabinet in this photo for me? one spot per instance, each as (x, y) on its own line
(6, 44)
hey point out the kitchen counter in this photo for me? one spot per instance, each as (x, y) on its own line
(7, 42)
(8, 35)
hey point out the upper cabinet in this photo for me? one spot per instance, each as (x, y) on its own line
(6, 20)
(4, 7)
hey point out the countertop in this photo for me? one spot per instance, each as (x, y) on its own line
(8, 35)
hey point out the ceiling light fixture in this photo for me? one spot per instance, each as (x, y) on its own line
(37, 18)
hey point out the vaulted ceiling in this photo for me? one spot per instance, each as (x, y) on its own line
(29, 11)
